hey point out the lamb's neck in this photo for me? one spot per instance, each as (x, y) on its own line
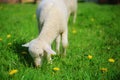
(48, 35)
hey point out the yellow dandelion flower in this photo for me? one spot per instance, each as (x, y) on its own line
(56, 69)
(0, 39)
(89, 56)
(111, 60)
(8, 36)
(9, 44)
(104, 69)
(92, 19)
(24, 52)
(13, 72)
(74, 31)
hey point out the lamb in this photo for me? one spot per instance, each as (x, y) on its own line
(72, 8)
(53, 17)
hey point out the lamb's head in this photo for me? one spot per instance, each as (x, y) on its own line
(36, 49)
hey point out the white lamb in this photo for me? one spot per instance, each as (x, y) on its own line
(72, 8)
(53, 17)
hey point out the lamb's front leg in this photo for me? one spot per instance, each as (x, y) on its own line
(58, 44)
(65, 41)
(49, 52)
(49, 58)
(37, 61)
(74, 18)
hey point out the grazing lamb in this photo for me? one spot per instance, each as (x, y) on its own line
(53, 17)
(72, 8)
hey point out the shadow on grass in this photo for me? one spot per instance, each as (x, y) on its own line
(23, 53)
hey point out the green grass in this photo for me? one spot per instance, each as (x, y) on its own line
(97, 34)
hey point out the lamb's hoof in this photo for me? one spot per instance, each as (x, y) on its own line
(49, 62)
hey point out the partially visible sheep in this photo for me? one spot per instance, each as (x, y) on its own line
(53, 17)
(72, 8)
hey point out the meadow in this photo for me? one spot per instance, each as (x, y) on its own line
(93, 52)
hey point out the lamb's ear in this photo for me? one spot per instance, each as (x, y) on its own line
(26, 45)
(50, 51)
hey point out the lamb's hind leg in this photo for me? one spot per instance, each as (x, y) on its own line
(64, 41)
